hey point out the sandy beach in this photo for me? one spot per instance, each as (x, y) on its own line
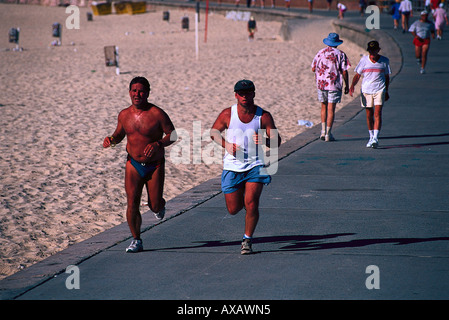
(58, 186)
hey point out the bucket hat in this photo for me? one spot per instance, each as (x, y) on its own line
(332, 40)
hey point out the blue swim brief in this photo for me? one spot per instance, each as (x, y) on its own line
(144, 169)
(231, 181)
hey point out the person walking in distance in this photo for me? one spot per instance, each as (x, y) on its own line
(244, 172)
(252, 28)
(148, 130)
(406, 10)
(440, 18)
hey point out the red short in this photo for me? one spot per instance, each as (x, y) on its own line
(419, 43)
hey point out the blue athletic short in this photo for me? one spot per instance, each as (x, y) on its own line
(231, 181)
(144, 169)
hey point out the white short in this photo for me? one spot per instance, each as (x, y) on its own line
(371, 100)
(329, 96)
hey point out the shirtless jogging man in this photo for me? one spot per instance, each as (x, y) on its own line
(144, 124)
(244, 172)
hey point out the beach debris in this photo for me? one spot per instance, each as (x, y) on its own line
(111, 58)
(306, 123)
(14, 38)
(185, 23)
(166, 16)
(14, 35)
(57, 33)
(109, 55)
(56, 30)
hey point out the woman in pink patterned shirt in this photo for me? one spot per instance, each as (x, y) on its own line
(330, 66)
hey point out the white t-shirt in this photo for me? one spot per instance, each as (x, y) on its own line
(241, 134)
(373, 73)
(405, 6)
(422, 29)
(341, 7)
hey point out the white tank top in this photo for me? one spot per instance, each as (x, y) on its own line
(242, 134)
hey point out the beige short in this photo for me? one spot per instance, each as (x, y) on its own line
(371, 100)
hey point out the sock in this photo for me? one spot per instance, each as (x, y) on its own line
(371, 134)
(376, 134)
(323, 127)
(328, 130)
(246, 237)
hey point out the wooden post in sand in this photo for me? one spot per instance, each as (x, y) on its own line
(14, 34)
(117, 67)
(207, 13)
(196, 29)
(57, 33)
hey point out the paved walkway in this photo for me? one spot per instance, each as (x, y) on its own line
(332, 210)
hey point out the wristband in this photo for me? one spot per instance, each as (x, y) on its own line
(111, 139)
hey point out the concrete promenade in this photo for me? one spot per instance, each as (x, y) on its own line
(332, 212)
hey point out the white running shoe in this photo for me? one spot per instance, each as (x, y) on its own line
(135, 246)
(322, 135)
(246, 247)
(329, 137)
(370, 143)
(160, 215)
(375, 143)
